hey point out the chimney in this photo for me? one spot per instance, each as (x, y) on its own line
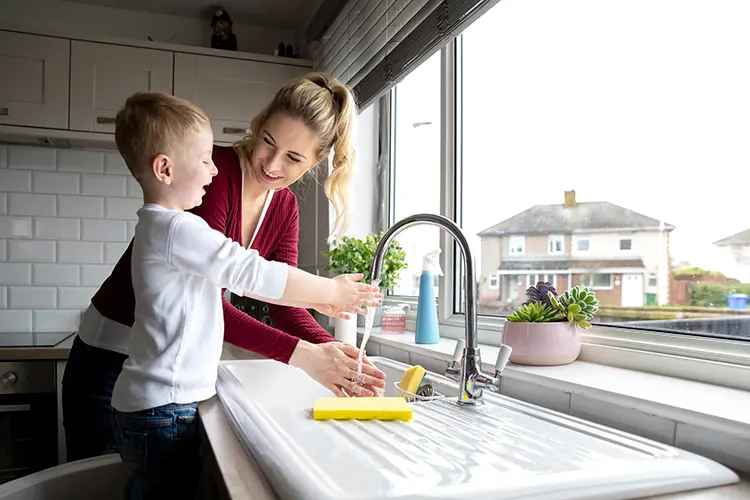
(570, 199)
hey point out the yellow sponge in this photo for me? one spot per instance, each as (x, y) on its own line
(390, 408)
(412, 379)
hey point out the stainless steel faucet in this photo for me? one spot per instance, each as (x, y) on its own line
(466, 367)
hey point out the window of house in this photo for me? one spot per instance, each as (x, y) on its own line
(517, 244)
(415, 165)
(533, 279)
(555, 243)
(494, 281)
(531, 148)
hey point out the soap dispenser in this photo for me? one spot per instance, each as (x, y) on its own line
(427, 320)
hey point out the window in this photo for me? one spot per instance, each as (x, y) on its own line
(517, 244)
(415, 165)
(494, 281)
(555, 243)
(533, 279)
(553, 144)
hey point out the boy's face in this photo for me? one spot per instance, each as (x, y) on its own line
(193, 169)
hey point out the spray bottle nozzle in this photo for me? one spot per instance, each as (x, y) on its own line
(431, 262)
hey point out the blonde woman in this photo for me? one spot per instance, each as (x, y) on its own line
(308, 120)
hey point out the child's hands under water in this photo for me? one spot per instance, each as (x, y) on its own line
(351, 297)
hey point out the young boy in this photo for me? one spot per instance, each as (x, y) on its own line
(179, 266)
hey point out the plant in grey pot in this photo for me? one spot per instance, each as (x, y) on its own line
(351, 255)
(544, 330)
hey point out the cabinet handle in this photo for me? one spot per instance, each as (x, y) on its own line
(14, 408)
(104, 120)
(4, 111)
(233, 130)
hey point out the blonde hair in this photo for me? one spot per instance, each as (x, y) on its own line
(327, 107)
(153, 123)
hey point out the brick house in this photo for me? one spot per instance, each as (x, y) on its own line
(621, 254)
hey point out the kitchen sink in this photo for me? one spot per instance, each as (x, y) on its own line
(501, 449)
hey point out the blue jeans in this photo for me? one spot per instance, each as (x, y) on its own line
(87, 386)
(161, 447)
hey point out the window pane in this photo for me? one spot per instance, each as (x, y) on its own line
(416, 165)
(579, 137)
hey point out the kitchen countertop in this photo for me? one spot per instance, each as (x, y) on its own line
(244, 480)
(57, 352)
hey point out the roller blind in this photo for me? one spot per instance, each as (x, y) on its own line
(373, 44)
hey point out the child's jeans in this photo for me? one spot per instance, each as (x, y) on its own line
(160, 446)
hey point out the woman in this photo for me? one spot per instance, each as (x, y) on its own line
(249, 201)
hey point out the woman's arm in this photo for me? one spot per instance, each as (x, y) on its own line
(293, 319)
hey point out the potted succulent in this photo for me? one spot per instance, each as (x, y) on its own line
(354, 255)
(544, 330)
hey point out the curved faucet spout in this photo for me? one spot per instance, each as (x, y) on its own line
(472, 380)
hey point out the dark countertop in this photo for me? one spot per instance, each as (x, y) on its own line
(57, 352)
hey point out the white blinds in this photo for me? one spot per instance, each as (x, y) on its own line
(373, 44)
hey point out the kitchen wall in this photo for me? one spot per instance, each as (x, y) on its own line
(66, 216)
(77, 19)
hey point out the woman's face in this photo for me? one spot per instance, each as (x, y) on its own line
(286, 148)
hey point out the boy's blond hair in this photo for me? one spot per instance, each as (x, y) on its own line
(151, 123)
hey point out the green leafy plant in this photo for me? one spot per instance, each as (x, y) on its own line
(354, 255)
(578, 305)
(534, 312)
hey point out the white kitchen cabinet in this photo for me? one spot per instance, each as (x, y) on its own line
(34, 81)
(102, 76)
(230, 91)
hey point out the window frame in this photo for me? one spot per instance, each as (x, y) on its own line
(553, 239)
(578, 240)
(697, 357)
(511, 246)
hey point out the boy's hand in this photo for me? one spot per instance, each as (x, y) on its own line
(351, 296)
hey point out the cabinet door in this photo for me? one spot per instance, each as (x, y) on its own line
(230, 91)
(102, 76)
(34, 81)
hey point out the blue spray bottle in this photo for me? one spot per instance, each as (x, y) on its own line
(427, 319)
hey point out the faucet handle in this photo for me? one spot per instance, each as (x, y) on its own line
(502, 358)
(459, 352)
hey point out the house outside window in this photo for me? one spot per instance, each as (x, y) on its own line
(583, 244)
(626, 244)
(517, 244)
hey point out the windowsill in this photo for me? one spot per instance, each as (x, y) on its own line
(654, 406)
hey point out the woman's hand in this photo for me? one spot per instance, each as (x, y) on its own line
(351, 296)
(334, 366)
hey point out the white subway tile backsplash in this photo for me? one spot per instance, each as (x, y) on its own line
(16, 339)
(103, 185)
(15, 274)
(40, 205)
(15, 227)
(3, 252)
(121, 208)
(56, 182)
(80, 161)
(131, 229)
(3, 203)
(80, 252)
(3, 297)
(104, 230)
(15, 181)
(113, 252)
(57, 274)
(114, 164)
(134, 189)
(57, 229)
(32, 297)
(57, 321)
(80, 206)
(15, 321)
(3, 156)
(94, 275)
(32, 158)
(31, 251)
(75, 297)
(536, 394)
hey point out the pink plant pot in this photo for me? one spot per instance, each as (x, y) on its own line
(542, 344)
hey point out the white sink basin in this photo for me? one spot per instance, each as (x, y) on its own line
(502, 449)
